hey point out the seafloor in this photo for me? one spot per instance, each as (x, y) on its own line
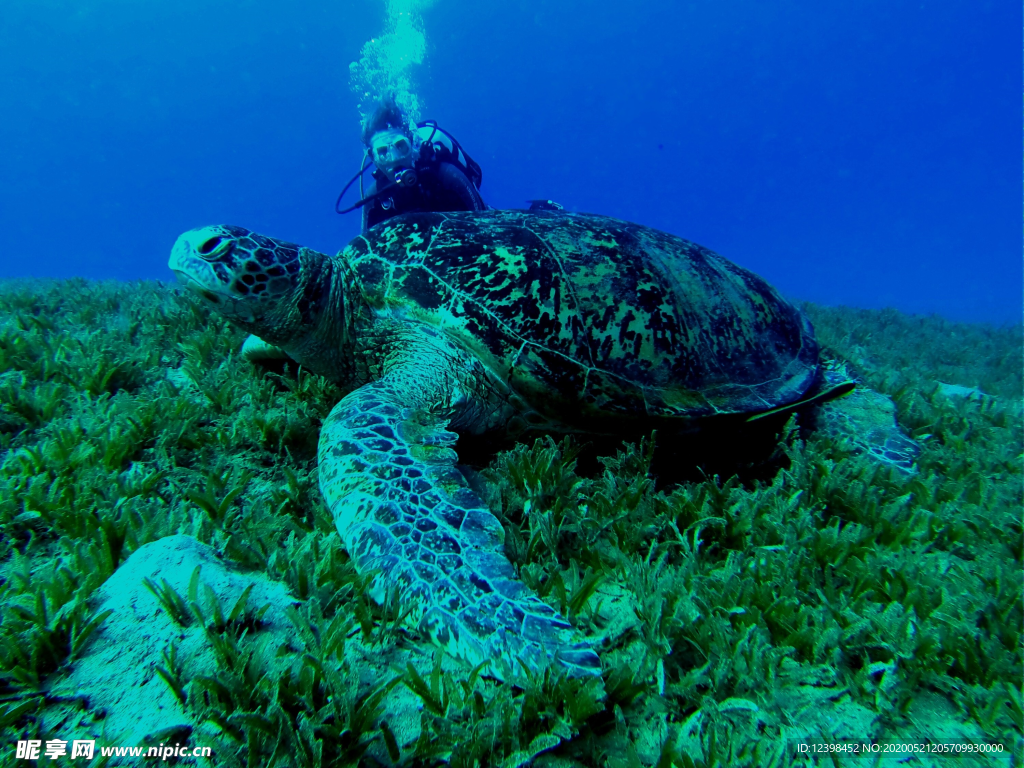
(814, 598)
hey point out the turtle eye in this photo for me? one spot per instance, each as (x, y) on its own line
(210, 244)
(215, 247)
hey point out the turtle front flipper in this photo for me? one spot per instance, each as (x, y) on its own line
(387, 473)
(256, 350)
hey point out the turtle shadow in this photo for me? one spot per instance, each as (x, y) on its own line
(725, 446)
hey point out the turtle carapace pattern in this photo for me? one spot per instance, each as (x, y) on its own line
(446, 323)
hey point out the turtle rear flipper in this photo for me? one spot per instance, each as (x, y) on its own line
(388, 474)
(866, 421)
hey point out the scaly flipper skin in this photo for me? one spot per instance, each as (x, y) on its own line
(387, 472)
(866, 421)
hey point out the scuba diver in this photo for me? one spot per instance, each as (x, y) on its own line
(421, 169)
(415, 169)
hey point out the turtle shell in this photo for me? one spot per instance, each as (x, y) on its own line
(586, 315)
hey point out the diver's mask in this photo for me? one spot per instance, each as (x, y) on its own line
(394, 154)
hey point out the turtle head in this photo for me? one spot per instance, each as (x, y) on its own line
(257, 282)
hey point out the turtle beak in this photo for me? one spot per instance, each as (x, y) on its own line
(231, 307)
(196, 287)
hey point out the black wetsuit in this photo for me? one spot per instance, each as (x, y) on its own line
(441, 186)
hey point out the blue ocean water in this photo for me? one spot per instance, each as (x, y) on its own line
(863, 153)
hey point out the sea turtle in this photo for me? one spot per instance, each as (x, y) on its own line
(501, 320)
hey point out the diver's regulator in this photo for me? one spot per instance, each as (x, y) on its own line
(406, 177)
